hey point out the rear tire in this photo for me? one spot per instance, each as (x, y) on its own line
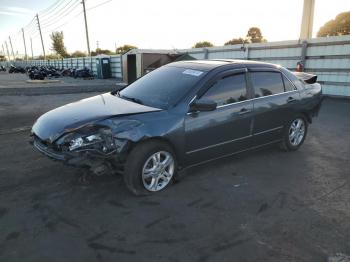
(294, 133)
(150, 167)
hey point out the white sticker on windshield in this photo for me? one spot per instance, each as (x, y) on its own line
(192, 72)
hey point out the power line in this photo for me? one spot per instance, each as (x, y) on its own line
(57, 15)
(59, 12)
(61, 15)
(70, 20)
(55, 6)
(32, 32)
(99, 5)
(31, 23)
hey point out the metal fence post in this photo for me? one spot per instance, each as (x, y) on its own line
(206, 53)
(246, 51)
(121, 67)
(303, 54)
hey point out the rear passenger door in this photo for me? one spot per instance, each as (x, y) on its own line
(275, 103)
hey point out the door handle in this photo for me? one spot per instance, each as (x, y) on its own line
(291, 99)
(244, 111)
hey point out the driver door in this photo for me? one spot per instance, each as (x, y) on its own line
(225, 130)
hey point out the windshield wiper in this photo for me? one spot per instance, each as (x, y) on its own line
(133, 99)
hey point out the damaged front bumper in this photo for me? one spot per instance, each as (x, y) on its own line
(46, 150)
(99, 146)
(96, 162)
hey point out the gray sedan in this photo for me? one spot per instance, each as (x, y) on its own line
(181, 115)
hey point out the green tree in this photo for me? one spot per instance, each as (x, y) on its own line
(3, 58)
(203, 44)
(78, 54)
(125, 48)
(236, 41)
(58, 44)
(254, 35)
(100, 51)
(338, 26)
(53, 56)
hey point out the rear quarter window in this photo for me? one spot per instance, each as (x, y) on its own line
(288, 86)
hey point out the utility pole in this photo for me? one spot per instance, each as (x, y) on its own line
(87, 34)
(8, 53)
(13, 54)
(307, 20)
(41, 36)
(86, 28)
(3, 50)
(31, 47)
(25, 47)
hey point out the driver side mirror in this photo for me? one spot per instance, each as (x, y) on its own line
(202, 105)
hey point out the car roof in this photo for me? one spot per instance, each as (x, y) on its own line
(207, 65)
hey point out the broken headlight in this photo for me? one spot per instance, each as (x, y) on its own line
(84, 141)
(96, 139)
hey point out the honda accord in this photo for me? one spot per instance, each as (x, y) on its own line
(181, 115)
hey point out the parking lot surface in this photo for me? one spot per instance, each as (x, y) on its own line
(264, 205)
(16, 84)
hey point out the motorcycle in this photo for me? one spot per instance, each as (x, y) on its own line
(14, 69)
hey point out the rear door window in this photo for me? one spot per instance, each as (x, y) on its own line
(228, 90)
(267, 83)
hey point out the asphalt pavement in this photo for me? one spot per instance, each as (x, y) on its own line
(17, 84)
(263, 205)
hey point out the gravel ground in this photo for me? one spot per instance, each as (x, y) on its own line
(264, 205)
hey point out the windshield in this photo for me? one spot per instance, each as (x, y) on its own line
(162, 87)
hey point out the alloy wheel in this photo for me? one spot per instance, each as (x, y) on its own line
(297, 131)
(158, 170)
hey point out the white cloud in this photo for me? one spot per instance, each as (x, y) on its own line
(15, 11)
(19, 9)
(11, 13)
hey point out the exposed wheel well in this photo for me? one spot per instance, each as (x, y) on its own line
(307, 117)
(159, 139)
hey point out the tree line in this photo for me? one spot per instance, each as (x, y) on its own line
(60, 50)
(254, 35)
(335, 27)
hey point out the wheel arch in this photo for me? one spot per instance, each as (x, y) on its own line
(307, 116)
(159, 139)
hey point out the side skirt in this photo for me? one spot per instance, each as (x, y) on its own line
(231, 154)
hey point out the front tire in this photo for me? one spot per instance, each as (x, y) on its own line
(294, 134)
(150, 167)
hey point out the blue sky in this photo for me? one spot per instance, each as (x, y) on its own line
(157, 23)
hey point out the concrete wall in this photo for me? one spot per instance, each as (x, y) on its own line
(327, 57)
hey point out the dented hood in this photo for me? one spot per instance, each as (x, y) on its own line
(66, 118)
